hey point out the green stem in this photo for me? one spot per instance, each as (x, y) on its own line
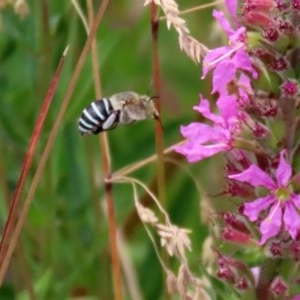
(267, 270)
(252, 146)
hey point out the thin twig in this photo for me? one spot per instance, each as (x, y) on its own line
(92, 166)
(136, 166)
(6, 243)
(81, 15)
(195, 8)
(158, 128)
(21, 266)
(89, 149)
(106, 166)
(130, 275)
(13, 213)
(131, 180)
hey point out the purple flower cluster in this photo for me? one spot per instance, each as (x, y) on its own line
(281, 202)
(255, 123)
(255, 78)
(227, 64)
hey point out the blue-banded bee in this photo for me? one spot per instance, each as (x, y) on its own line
(122, 108)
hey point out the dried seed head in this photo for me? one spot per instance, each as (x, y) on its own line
(189, 45)
(21, 8)
(146, 215)
(171, 282)
(183, 280)
(174, 239)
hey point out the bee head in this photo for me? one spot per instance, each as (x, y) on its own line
(151, 109)
(149, 106)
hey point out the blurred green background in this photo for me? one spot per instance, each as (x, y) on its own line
(64, 245)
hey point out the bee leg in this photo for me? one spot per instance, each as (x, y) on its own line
(112, 121)
(157, 118)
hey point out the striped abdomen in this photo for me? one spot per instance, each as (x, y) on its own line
(97, 117)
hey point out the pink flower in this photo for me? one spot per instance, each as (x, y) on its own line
(281, 203)
(232, 7)
(228, 60)
(204, 140)
(231, 65)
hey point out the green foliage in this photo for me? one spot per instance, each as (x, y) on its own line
(65, 242)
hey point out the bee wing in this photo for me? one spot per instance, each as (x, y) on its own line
(120, 100)
(132, 113)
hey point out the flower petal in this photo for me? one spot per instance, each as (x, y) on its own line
(228, 106)
(291, 219)
(232, 7)
(284, 170)
(256, 177)
(204, 109)
(270, 226)
(245, 82)
(296, 200)
(195, 152)
(197, 131)
(220, 17)
(253, 209)
(224, 73)
(242, 61)
(212, 58)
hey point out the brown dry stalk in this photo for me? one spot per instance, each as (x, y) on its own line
(106, 166)
(16, 201)
(116, 270)
(160, 166)
(20, 266)
(161, 184)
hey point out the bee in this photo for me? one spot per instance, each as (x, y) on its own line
(121, 108)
